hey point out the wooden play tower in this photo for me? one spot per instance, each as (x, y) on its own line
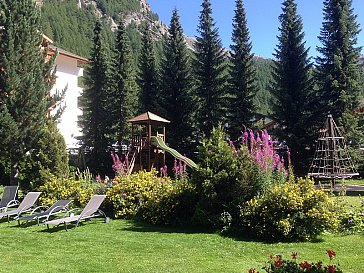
(332, 160)
(143, 154)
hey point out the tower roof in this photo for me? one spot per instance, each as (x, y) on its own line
(148, 116)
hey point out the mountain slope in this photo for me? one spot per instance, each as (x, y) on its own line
(70, 24)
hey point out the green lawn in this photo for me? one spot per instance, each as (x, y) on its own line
(359, 182)
(125, 246)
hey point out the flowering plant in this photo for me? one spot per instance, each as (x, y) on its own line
(277, 265)
(120, 167)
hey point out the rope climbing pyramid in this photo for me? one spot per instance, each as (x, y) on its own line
(332, 159)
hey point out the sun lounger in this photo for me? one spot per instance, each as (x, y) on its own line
(58, 207)
(25, 206)
(91, 210)
(9, 198)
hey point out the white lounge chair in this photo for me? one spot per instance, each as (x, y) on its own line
(8, 199)
(26, 205)
(91, 210)
(58, 207)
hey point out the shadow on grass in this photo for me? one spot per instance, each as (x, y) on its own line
(246, 237)
(138, 226)
(70, 226)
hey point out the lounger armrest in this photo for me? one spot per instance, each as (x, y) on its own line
(70, 211)
(63, 208)
(38, 208)
(12, 203)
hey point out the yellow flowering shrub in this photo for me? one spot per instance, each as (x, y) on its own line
(145, 194)
(129, 192)
(66, 188)
(293, 210)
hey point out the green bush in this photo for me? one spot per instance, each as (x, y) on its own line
(352, 221)
(80, 187)
(155, 199)
(172, 203)
(219, 181)
(293, 210)
(228, 176)
(129, 192)
(49, 155)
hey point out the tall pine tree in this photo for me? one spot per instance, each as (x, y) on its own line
(210, 73)
(124, 89)
(292, 87)
(176, 86)
(24, 77)
(243, 86)
(148, 74)
(95, 119)
(338, 69)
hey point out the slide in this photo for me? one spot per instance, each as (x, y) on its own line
(158, 141)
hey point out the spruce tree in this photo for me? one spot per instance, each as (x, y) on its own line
(24, 77)
(176, 86)
(95, 119)
(124, 89)
(292, 87)
(210, 73)
(339, 71)
(148, 75)
(243, 86)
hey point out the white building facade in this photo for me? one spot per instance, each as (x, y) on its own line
(68, 70)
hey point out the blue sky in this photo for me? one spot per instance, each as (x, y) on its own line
(262, 20)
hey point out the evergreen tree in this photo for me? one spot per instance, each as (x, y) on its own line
(95, 119)
(338, 69)
(24, 77)
(242, 75)
(210, 73)
(124, 91)
(148, 75)
(292, 87)
(177, 84)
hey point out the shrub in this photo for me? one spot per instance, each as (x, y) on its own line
(129, 192)
(229, 176)
(49, 155)
(352, 221)
(80, 188)
(170, 204)
(155, 199)
(277, 265)
(293, 210)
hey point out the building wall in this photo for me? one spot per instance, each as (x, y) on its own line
(67, 73)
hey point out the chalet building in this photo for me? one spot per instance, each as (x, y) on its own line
(68, 70)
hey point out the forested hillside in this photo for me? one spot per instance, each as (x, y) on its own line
(70, 24)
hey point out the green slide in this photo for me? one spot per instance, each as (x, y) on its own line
(158, 141)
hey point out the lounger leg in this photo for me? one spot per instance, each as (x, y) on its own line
(65, 225)
(18, 223)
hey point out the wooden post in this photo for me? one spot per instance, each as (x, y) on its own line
(164, 139)
(149, 146)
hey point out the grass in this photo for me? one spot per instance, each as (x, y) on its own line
(127, 246)
(350, 202)
(359, 182)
